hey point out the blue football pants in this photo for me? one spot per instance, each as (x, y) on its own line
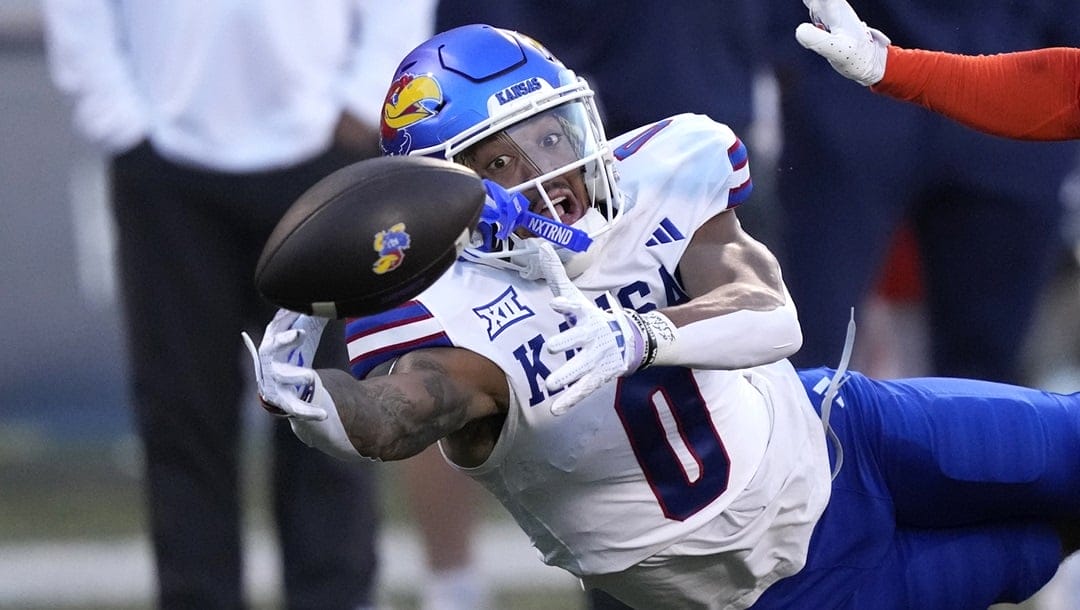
(946, 499)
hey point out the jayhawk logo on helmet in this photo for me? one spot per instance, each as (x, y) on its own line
(391, 245)
(411, 99)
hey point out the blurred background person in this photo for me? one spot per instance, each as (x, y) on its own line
(984, 212)
(216, 116)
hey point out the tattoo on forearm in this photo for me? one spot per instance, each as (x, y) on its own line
(389, 418)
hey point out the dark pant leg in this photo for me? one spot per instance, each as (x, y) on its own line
(327, 523)
(842, 195)
(987, 259)
(598, 600)
(326, 510)
(181, 328)
(189, 241)
(827, 270)
(327, 514)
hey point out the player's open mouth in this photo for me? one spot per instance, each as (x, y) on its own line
(566, 206)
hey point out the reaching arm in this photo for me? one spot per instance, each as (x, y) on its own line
(431, 394)
(740, 316)
(1028, 95)
(725, 270)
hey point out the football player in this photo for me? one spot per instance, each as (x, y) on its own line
(1027, 95)
(631, 404)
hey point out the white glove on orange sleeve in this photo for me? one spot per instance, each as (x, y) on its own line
(853, 49)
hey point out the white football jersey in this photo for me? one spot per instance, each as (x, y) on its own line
(667, 462)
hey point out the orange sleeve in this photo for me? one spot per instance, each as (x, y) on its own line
(1028, 95)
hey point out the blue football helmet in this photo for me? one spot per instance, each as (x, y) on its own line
(500, 103)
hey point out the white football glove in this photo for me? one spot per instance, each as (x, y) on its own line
(853, 49)
(610, 341)
(289, 387)
(283, 365)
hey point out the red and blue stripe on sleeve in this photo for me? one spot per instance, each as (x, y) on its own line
(740, 170)
(374, 340)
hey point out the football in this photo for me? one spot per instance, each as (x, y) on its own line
(369, 236)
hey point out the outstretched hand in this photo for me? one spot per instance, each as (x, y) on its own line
(853, 49)
(282, 362)
(610, 343)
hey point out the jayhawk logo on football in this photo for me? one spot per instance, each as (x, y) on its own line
(411, 99)
(391, 245)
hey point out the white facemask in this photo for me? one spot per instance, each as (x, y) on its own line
(524, 256)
